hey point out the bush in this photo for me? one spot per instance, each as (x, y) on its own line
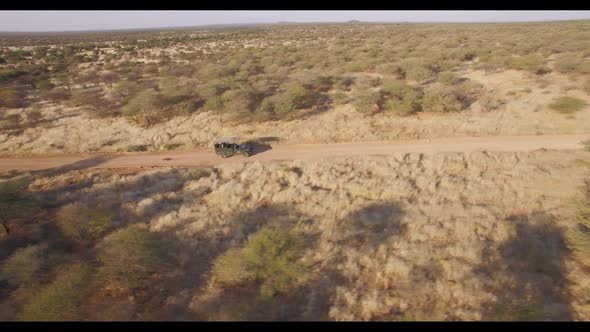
(416, 70)
(45, 84)
(82, 223)
(272, 257)
(368, 101)
(12, 98)
(531, 62)
(579, 239)
(129, 256)
(61, 300)
(137, 148)
(402, 99)
(344, 83)
(293, 96)
(24, 266)
(567, 104)
(145, 107)
(571, 63)
(231, 268)
(418, 73)
(441, 101)
(239, 101)
(447, 77)
(93, 101)
(489, 103)
(15, 202)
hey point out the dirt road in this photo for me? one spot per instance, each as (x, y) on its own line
(206, 157)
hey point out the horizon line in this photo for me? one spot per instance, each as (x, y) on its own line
(281, 23)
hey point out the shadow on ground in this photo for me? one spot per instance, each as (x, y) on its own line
(77, 166)
(373, 224)
(530, 268)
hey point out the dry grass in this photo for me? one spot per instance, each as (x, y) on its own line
(404, 237)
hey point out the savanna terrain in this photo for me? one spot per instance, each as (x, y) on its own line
(430, 234)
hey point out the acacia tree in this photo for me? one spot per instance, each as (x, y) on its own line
(15, 202)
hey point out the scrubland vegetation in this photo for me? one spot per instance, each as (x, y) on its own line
(442, 236)
(447, 236)
(137, 87)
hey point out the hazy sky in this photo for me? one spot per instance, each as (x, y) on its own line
(99, 20)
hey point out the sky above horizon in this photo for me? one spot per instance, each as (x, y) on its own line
(105, 20)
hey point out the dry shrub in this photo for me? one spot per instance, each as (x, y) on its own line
(129, 256)
(447, 77)
(402, 99)
(368, 101)
(580, 238)
(12, 98)
(567, 104)
(441, 101)
(84, 224)
(24, 266)
(60, 301)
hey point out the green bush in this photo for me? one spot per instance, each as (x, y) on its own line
(61, 300)
(45, 84)
(212, 89)
(8, 75)
(82, 223)
(419, 73)
(368, 101)
(16, 204)
(239, 101)
(532, 62)
(447, 77)
(402, 99)
(441, 101)
(129, 256)
(572, 63)
(292, 96)
(231, 268)
(567, 104)
(146, 102)
(271, 257)
(24, 266)
(416, 70)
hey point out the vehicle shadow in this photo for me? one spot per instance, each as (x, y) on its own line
(258, 146)
(79, 165)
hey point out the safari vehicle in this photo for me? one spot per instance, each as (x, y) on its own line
(229, 147)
